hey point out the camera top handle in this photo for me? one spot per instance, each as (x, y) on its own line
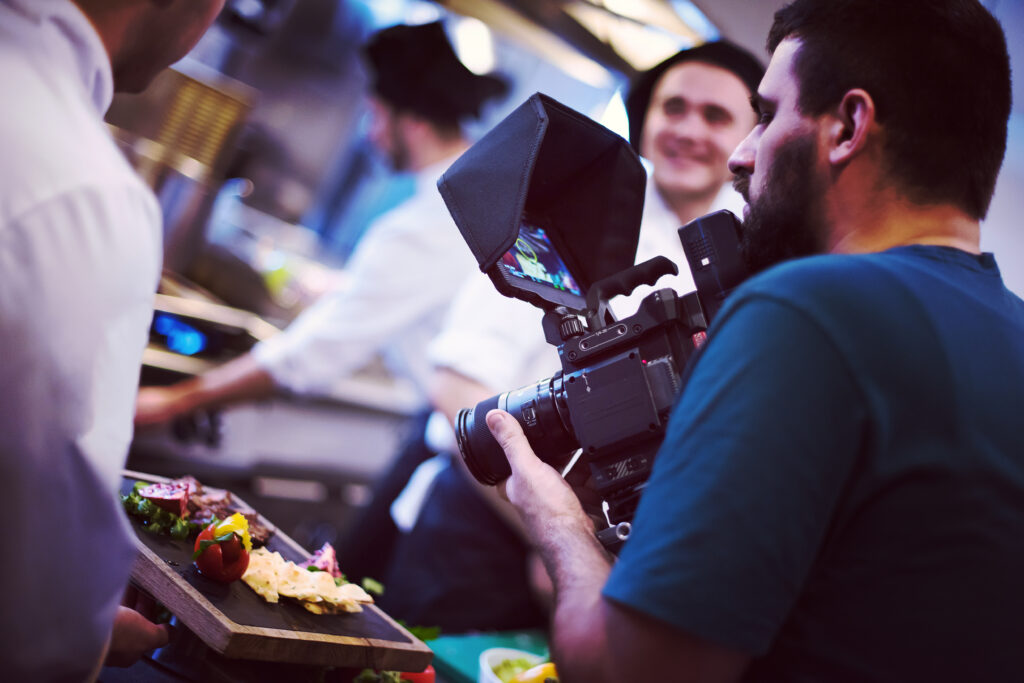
(624, 282)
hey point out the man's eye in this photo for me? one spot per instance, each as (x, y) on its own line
(715, 115)
(675, 107)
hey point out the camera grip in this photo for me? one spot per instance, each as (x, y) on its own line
(624, 282)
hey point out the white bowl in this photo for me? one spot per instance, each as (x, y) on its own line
(494, 656)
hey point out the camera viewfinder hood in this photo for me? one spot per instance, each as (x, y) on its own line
(553, 167)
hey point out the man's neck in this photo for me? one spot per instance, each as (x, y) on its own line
(687, 206)
(877, 226)
(437, 149)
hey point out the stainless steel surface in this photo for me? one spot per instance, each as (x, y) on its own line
(345, 437)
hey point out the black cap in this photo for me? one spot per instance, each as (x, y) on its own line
(720, 53)
(414, 68)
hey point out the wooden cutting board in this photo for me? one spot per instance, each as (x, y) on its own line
(234, 621)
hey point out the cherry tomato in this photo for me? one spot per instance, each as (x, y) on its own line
(425, 676)
(224, 558)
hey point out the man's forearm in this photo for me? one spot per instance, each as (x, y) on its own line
(564, 536)
(594, 639)
(579, 567)
(242, 379)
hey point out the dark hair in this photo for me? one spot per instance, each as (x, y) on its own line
(938, 72)
(720, 53)
(414, 68)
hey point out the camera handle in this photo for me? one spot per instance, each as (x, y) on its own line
(625, 281)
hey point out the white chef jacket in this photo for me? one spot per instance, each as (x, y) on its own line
(401, 279)
(80, 256)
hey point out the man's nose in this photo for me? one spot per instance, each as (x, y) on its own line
(742, 158)
(689, 124)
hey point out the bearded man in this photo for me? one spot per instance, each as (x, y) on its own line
(840, 492)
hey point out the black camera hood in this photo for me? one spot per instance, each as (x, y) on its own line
(583, 183)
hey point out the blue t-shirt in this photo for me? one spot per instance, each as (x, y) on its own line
(840, 492)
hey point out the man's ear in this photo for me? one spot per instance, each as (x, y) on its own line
(853, 121)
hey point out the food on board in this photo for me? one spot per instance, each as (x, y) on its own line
(317, 590)
(182, 507)
(222, 549)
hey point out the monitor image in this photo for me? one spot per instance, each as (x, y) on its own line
(534, 267)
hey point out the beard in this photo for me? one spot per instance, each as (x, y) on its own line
(786, 221)
(393, 149)
(399, 156)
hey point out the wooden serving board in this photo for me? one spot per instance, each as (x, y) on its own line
(236, 622)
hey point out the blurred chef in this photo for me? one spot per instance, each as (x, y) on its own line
(407, 267)
(79, 260)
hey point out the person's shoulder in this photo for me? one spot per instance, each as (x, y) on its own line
(813, 277)
(421, 216)
(54, 146)
(834, 290)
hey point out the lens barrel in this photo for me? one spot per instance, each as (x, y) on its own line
(482, 454)
(540, 410)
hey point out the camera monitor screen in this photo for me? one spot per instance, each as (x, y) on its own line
(534, 266)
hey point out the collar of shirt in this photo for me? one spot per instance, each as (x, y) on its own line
(426, 179)
(85, 51)
(657, 212)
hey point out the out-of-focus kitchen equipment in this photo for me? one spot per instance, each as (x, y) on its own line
(181, 136)
(189, 336)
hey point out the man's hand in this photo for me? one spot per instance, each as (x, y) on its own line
(240, 379)
(157, 405)
(594, 639)
(133, 636)
(536, 489)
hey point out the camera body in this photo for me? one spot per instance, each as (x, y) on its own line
(619, 379)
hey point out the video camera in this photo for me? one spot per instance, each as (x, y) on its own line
(550, 203)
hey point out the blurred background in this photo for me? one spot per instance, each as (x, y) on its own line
(256, 147)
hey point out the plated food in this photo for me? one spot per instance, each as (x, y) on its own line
(222, 549)
(182, 507)
(509, 665)
(236, 622)
(230, 545)
(319, 590)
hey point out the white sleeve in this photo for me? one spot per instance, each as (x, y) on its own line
(492, 339)
(77, 279)
(401, 277)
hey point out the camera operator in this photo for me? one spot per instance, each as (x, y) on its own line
(686, 116)
(840, 492)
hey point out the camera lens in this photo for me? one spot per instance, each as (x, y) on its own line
(484, 457)
(540, 410)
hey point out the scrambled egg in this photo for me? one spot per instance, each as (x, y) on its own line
(271, 576)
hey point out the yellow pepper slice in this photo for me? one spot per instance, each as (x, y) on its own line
(238, 524)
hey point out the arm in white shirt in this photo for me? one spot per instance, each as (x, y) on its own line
(77, 277)
(401, 278)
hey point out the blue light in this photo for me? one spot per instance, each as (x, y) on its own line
(180, 337)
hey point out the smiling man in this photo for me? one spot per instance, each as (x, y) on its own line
(686, 115)
(840, 492)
